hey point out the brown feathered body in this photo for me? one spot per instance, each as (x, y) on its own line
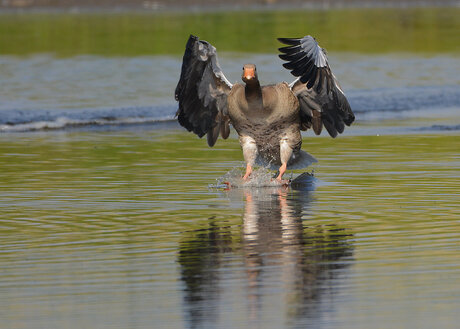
(266, 115)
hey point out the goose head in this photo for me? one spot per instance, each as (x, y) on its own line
(249, 74)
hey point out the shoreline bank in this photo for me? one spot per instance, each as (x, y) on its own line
(85, 6)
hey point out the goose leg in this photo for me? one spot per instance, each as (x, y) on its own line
(248, 144)
(285, 154)
(248, 171)
(282, 170)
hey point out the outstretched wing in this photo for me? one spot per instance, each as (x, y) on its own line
(202, 92)
(322, 101)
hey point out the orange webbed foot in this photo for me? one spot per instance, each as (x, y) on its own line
(248, 172)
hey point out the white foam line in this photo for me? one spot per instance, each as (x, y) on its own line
(63, 122)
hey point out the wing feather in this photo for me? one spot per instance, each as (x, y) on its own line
(322, 101)
(202, 92)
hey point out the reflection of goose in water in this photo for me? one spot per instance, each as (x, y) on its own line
(279, 253)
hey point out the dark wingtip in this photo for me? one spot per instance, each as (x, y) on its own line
(282, 49)
(349, 120)
(289, 41)
(191, 41)
(289, 49)
(287, 66)
(285, 57)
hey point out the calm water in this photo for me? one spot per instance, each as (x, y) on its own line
(119, 229)
(109, 217)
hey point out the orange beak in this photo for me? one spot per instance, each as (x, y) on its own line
(249, 73)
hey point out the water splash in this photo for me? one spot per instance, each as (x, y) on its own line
(260, 177)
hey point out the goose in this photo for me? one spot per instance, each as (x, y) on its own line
(268, 119)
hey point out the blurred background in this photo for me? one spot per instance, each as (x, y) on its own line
(212, 4)
(115, 62)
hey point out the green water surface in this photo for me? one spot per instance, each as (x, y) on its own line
(426, 30)
(119, 229)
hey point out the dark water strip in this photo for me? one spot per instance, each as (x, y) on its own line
(369, 105)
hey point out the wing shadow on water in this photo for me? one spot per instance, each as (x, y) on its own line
(274, 249)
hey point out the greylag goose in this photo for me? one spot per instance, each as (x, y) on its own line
(268, 119)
